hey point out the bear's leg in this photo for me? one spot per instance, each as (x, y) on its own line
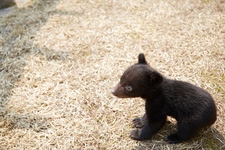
(184, 133)
(139, 122)
(149, 129)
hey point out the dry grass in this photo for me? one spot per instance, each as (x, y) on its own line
(59, 60)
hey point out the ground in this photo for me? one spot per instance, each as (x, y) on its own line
(59, 60)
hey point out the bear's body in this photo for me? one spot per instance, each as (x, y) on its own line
(191, 106)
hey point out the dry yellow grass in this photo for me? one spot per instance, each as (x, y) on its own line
(59, 60)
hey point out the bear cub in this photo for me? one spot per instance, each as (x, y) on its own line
(191, 106)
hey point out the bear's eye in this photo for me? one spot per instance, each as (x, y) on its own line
(128, 88)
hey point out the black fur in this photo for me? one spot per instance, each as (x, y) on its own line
(191, 106)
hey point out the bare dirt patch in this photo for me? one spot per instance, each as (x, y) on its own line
(59, 60)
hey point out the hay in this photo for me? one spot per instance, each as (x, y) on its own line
(59, 60)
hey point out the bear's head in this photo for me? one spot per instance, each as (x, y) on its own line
(139, 80)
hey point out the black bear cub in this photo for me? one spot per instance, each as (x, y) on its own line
(192, 107)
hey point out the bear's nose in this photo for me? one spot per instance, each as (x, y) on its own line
(113, 91)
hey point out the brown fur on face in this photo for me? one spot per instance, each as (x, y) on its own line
(119, 91)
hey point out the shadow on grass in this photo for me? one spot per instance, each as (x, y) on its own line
(19, 28)
(208, 139)
(12, 121)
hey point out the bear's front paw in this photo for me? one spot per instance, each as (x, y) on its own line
(135, 134)
(138, 122)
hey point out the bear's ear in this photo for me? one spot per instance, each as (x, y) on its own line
(141, 59)
(155, 78)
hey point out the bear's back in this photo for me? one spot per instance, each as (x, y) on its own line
(184, 99)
